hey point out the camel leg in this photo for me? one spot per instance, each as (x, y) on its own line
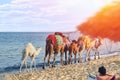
(80, 53)
(44, 61)
(34, 64)
(95, 56)
(70, 57)
(54, 60)
(62, 59)
(65, 50)
(65, 56)
(62, 52)
(80, 56)
(49, 60)
(74, 57)
(50, 53)
(32, 60)
(23, 63)
(95, 53)
(98, 54)
(69, 61)
(88, 54)
(46, 53)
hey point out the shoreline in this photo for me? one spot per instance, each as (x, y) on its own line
(77, 71)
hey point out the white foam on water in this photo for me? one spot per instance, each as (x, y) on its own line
(107, 55)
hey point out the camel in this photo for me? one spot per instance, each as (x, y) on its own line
(98, 42)
(31, 52)
(73, 49)
(86, 43)
(66, 47)
(54, 45)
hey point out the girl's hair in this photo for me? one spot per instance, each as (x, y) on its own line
(102, 70)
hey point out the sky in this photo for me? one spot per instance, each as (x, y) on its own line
(46, 15)
(105, 24)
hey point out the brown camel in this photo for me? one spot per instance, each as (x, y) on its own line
(73, 49)
(66, 47)
(54, 45)
(88, 44)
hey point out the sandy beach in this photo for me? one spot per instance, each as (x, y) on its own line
(78, 71)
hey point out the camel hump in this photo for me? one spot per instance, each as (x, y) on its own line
(59, 33)
(85, 39)
(56, 39)
(30, 47)
(29, 44)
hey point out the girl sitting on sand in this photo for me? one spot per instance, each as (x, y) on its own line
(103, 76)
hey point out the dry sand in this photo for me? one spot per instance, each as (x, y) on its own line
(78, 71)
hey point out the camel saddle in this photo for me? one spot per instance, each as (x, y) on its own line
(57, 40)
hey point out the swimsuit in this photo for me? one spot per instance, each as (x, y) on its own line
(113, 78)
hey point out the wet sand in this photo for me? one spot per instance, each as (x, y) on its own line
(77, 71)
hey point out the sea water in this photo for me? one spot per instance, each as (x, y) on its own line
(12, 45)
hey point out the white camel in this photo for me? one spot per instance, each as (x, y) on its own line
(31, 52)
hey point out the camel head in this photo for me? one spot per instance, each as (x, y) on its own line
(38, 50)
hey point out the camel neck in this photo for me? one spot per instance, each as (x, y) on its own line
(38, 51)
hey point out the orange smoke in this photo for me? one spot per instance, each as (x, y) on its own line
(105, 23)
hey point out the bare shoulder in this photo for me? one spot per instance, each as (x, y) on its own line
(105, 77)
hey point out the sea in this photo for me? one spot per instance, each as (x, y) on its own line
(13, 43)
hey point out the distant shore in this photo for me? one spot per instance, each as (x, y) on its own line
(78, 71)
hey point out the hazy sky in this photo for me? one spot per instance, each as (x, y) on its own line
(46, 15)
